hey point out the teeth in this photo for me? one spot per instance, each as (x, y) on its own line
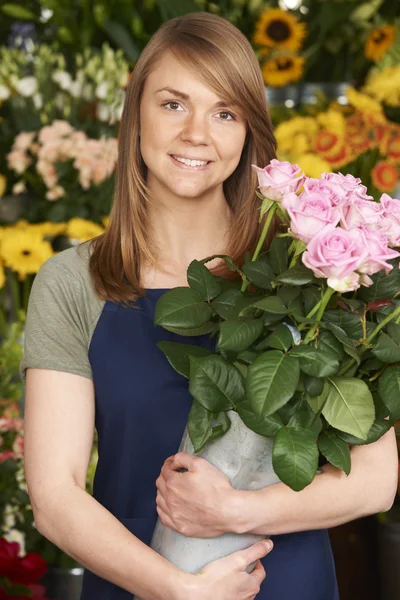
(191, 163)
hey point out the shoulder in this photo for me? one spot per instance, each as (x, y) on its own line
(73, 261)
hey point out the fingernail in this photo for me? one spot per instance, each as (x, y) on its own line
(268, 544)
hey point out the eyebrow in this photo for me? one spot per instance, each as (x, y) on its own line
(183, 96)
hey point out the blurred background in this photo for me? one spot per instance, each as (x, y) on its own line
(332, 77)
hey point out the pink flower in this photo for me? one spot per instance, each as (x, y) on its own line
(18, 447)
(332, 190)
(335, 254)
(379, 253)
(390, 222)
(278, 178)
(11, 424)
(18, 161)
(349, 184)
(360, 212)
(23, 140)
(309, 213)
(5, 455)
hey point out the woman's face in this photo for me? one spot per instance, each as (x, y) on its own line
(186, 122)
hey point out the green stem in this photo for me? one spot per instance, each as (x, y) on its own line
(369, 339)
(268, 221)
(322, 305)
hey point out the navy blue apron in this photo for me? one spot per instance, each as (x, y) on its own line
(142, 405)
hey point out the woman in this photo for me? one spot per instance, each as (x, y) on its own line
(195, 118)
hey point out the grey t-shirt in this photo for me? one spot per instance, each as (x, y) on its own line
(63, 311)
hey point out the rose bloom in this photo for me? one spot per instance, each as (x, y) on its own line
(361, 212)
(335, 254)
(23, 140)
(390, 222)
(349, 184)
(11, 424)
(278, 178)
(6, 455)
(18, 161)
(379, 253)
(309, 213)
(336, 193)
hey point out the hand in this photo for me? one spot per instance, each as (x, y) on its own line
(227, 578)
(197, 502)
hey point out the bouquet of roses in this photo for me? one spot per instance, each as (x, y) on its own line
(308, 341)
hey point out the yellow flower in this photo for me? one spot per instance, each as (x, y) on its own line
(384, 86)
(379, 41)
(49, 229)
(2, 276)
(300, 144)
(105, 221)
(363, 102)
(334, 121)
(3, 184)
(279, 29)
(282, 70)
(312, 165)
(24, 250)
(83, 229)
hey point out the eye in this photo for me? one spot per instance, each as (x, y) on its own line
(225, 112)
(171, 102)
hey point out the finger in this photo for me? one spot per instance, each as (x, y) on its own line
(258, 573)
(161, 485)
(182, 460)
(254, 552)
(161, 503)
(165, 519)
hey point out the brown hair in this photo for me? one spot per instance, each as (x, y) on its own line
(225, 61)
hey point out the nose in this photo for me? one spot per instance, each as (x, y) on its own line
(196, 129)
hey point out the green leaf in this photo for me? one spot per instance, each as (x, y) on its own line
(266, 426)
(203, 428)
(18, 12)
(305, 418)
(178, 355)
(202, 281)
(389, 391)
(335, 450)
(327, 342)
(238, 335)
(278, 255)
(393, 330)
(271, 381)
(169, 10)
(215, 383)
(247, 356)
(365, 11)
(270, 304)
(384, 286)
(202, 330)
(378, 429)
(260, 273)
(349, 405)
(225, 304)
(122, 38)
(295, 457)
(281, 339)
(349, 345)
(313, 385)
(386, 349)
(316, 362)
(297, 275)
(348, 322)
(183, 308)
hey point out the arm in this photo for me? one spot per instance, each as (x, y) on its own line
(59, 425)
(201, 502)
(331, 499)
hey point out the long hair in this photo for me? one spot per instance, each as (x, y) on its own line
(224, 60)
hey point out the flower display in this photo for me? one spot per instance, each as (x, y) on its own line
(294, 343)
(279, 29)
(380, 39)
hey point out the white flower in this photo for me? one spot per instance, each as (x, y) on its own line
(37, 101)
(19, 188)
(75, 89)
(27, 86)
(87, 92)
(103, 112)
(4, 92)
(63, 79)
(101, 90)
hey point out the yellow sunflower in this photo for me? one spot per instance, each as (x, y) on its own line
(2, 276)
(384, 86)
(334, 121)
(24, 251)
(282, 70)
(105, 221)
(279, 29)
(313, 165)
(49, 229)
(363, 102)
(385, 176)
(83, 229)
(379, 41)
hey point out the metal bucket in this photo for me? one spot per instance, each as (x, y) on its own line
(63, 584)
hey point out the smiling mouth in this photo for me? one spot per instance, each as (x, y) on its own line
(190, 162)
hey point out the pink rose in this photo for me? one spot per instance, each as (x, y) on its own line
(390, 222)
(5, 455)
(309, 213)
(335, 254)
(361, 212)
(278, 178)
(379, 253)
(351, 185)
(335, 192)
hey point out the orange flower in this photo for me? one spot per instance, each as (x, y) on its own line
(343, 156)
(327, 143)
(393, 148)
(359, 141)
(385, 176)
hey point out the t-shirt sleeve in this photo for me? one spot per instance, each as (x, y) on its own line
(55, 333)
